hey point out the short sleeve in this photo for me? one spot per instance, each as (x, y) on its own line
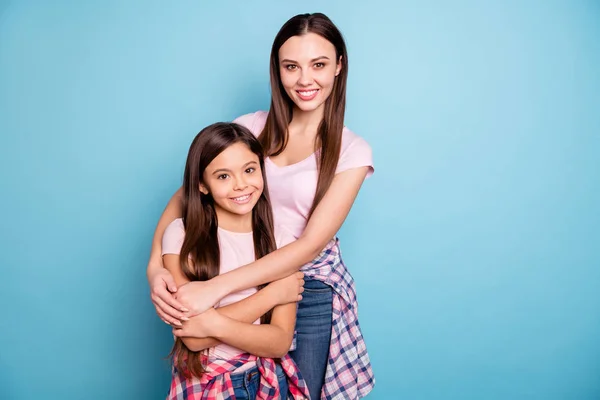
(255, 122)
(173, 237)
(357, 153)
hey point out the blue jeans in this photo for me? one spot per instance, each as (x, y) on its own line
(245, 384)
(313, 334)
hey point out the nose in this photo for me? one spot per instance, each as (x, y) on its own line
(306, 78)
(240, 183)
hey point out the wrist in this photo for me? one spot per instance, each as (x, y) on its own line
(272, 295)
(152, 269)
(221, 286)
(217, 325)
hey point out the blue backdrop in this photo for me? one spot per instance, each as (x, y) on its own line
(475, 246)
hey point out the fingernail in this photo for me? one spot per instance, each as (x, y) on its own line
(184, 309)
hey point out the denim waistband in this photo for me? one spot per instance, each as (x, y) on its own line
(315, 284)
(253, 374)
(238, 380)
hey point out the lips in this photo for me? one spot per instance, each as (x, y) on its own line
(242, 199)
(306, 94)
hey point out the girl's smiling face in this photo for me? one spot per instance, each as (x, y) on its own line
(234, 180)
(308, 67)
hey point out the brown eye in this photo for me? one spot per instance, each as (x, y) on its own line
(290, 67)
(250, 170)
(223, 176)
(319, 65)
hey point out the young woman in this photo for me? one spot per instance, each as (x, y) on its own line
(227, 222)
(315, 168)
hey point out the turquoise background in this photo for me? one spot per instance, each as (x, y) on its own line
(475, 246)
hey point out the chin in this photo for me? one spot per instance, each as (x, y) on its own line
(306, 107)
(242, 210)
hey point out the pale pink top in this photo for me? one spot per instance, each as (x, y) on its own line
(292, 188)
(236, 250)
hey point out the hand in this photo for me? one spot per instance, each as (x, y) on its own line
(167, 307)
(288, 290)
(199, 296)
(200, 326)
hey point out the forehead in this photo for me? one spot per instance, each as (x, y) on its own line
(236, 155)
(306, 46)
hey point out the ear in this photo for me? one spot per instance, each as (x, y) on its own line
(203, 189)
(338, 67)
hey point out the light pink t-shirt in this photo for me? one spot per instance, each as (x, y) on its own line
(236, 250)
(292, 188)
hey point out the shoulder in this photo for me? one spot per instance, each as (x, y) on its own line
(176, 226)
(255, 121)
(352, 143)
(355, 153)
(173, 237)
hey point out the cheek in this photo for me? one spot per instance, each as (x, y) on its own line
(258, 182)
(220, 191)
(287, 79)
(326, 78)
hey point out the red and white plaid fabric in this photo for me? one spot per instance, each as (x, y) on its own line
(349, 373)
(215, 383)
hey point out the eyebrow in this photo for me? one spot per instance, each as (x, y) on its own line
(313, 60)
(221, 170)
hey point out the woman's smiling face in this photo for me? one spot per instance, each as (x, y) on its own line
(308, 68)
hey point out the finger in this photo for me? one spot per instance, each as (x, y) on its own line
(170, 283)
(168, 301)
(300, 275)
(299, 297)
(173, 302)
(167, 309)
(301, 289)
(167, 319)
(169, 312)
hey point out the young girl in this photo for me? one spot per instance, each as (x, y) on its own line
(227, 222)
(315, 168)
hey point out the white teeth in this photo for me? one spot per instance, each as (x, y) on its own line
(242, 198)
(308, 93)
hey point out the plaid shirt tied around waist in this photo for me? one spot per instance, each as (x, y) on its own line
(215, 383)
(349, 373)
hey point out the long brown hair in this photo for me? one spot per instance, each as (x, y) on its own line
(200, 256)
(274, 136)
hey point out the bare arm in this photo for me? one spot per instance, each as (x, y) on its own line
(171, 212)
(245, 311)
(193, 332)
(321, 228)
(265, 340)
(162, 285)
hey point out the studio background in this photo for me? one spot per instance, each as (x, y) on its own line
(475, 245)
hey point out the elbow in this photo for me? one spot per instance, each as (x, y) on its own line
(313, 247)
(193, 345)
(278, 352)
(283, 347)
(278, 346)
